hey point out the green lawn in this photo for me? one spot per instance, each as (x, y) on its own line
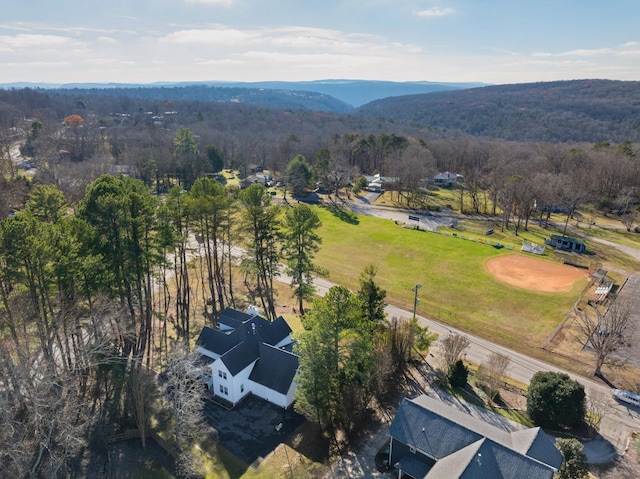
(456, 288)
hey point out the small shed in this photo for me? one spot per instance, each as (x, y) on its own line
(567, 243)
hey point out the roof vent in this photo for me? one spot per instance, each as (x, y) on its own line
(253, 311)
(253, 327)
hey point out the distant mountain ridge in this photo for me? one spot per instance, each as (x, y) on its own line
(353, 93)
(279, 99)
(560, 111)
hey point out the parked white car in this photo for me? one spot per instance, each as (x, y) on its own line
(626, 396)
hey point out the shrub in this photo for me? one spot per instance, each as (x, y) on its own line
(555, 400)
(458, 374)
(573, 466)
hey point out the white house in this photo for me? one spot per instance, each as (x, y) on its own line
(379, 182)
(447, 179)
(250, 355)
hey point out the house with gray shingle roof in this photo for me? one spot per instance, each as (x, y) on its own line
(249, 355)
(430, 439)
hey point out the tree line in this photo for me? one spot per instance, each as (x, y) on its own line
(575, 111)
(178, 141)
(95, 293)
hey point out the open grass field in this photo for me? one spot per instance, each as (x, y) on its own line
(457, 287)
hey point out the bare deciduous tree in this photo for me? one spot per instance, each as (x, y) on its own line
(184, 393)
(452, 347)
(143, 393)
(604, 332)
(492, 372)
(597, 407)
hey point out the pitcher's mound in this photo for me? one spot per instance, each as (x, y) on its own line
(534, 274)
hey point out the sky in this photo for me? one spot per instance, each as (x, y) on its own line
(146, 41)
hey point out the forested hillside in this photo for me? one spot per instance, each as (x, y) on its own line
(589, 111)
(272, 98)
(563, 111)
(96, 281)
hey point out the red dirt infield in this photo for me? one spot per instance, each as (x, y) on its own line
(534, 274)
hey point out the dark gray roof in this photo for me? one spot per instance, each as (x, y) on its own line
(218, 342)
(431, 432)
(536, 443)
(253, 338)
(241, 355)
(233, 318)
(488, 459)
(275, 369)
(270, 332)
(413, 467)
(467, 447)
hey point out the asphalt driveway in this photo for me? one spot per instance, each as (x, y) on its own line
(253, 429)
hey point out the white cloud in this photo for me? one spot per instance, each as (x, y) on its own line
(222, 62)
(225, 3)
(218, 35)
(581, 52)
(436, 12)
(24, 40)
(629, 49)
(109, 40)
(628, 53)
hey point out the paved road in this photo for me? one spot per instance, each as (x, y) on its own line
(618, 420)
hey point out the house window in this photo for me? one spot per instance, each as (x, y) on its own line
(242, 388)
(221, 389)
(224, 375)
(226, 391)
(220, 373)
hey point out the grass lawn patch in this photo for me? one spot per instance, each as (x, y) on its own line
(457, 288)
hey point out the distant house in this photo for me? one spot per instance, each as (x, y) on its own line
(447, 179)
(247, 354)
(567, 243)
(430, 439)
(379, 182)
(126, 170)
(264, 179)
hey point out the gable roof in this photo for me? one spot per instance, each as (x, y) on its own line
(275, 369)
(252, 339)
(233, 318)
(430, 431)
(488, 459)
(536, 443)
(269, 332)
(568, 239)
(241, 355)
(456, 440)
(217, 341)
(276, 332)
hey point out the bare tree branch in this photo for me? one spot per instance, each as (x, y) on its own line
(452, 347)
(604, 332)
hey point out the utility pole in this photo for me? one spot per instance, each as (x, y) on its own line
(415, 299)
